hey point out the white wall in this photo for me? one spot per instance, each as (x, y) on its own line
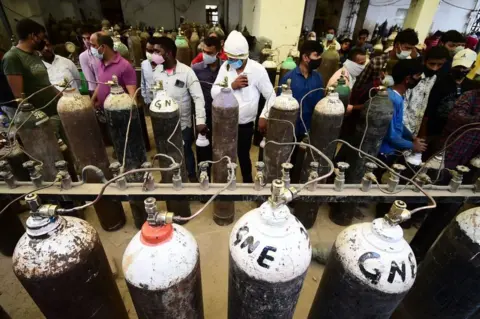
(309, 14)
(378, 14)
(248, 8)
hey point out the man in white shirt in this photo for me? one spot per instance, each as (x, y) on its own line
(248, 79)
(181, 83)
(148, 67)
(59, 68)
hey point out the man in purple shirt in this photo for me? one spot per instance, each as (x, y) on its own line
(111, 63)
(88, 62)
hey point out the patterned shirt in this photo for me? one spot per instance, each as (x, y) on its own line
(369, 78)
(465, 111)
(415, 104)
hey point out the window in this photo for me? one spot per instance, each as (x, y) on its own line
(212, 14)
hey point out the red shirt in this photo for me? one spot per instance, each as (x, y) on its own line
(199, 57)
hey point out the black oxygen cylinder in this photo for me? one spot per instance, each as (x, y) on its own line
(62, 265)
(15, 158)
(38, 137)
(271, 68)
(11, 227)
(326, 124)
(118, 107)
(80, 125)
(4, 314)
(224, 135)
(449, 276)
(165, 117)
(282, 117)
(378, 111)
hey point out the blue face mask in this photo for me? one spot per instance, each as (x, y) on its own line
(95, 53)
(236, 64)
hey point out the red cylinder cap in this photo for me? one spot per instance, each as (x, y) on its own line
(155, 235)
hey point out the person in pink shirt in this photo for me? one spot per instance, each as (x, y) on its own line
(88, 62)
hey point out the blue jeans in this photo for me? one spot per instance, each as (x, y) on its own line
(187, 135)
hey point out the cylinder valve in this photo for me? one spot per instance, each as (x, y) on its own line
(232, 176)
(422, 179)
(312, 175)
(7, 175)
(369, 177)
(203, 177)
(394, 179)
(115, 169)
(398, 213)
(286, 168)
(259, 177)
(148, 180)
(35, 172)
(66, 179)
(457, 178)
(154, 217)
(177, 177)
(340, 176)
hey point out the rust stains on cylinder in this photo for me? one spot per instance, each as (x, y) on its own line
(224, 134)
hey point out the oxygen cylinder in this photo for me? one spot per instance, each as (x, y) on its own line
(474, 173)
(183, 49)
(135, 47)
(61, 263)
(80, 126)
(118, 106)
(15, 157)
(194, 40)
(370, 269)
(287, 66)
(326, 124)
(38, 138)
(379, 111)
(144, 35)
(269, 257)
(165, 115)
(448, 279)
(11, 227)
(271, 68)
(282, 117)
(343, 91)
(329, 64)
(121, 48)
(224, 143)
(162, 270)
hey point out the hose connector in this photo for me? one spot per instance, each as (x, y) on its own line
(312, 175)
(155, 217)
(37, 209)
(203, 177)
(457, 178)
(63, 174)
(177, 176)
(281, 194)
(7, 175)
(339, 181)
(369, 177)
(232, 176)
(286, 168)
(35, 172)
(398, 213)
(148, 180)
(259, 179)
(394, 179)
(115, 169)
(422, 179)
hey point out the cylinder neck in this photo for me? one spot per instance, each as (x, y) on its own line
(70, 92)
(116, 89)
(38, 226)
(155, 235)
(386, 231)
(274, 216)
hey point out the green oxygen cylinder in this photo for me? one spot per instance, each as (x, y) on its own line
(329, 64)
(287, 66)
(343, 90)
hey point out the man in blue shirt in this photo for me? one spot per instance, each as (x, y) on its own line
(406, 75)
(304, 78)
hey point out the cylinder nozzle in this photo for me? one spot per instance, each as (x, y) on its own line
(154, 217)
(398, 213)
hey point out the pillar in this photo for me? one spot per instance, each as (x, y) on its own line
(420, 16)
(309, 14)
(362, 13)
(279, 21)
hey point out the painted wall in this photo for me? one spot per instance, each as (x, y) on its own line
(248, 9)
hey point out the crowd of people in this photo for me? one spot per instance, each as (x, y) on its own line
(427, 85)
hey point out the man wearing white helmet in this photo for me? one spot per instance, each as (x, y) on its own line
(248, 79)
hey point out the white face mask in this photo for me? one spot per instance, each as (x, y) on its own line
(404, 54)
(388, 81)
(459, 48)
(208, 59)
(353, 68)
(330, 36)
(149, 56)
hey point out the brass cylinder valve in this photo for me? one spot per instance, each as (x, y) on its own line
(369, 177)
(203, 177)
(394, 180)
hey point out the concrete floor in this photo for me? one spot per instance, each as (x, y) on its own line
(213, 245)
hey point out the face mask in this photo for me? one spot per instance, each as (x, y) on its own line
(429, 73)
(458, 49)
(96, 54)
(388, 81)
(208, 59)
(236, 64)
(149, 56)
(458, 74)
(314, 64)
(404, 54)
(353, 68)
(40, 45)
(330, 36)
(157, 59)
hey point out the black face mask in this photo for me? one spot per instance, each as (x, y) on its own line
(314, 64)
(428, 72)
(40, 45)
(458, 74)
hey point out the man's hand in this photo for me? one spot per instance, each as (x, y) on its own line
(349, 109)
(419, 145)
(262, 125)
(202, 129)
(240, 82)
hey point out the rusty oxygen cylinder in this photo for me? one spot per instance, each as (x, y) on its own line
(282, 117)
(369, 271)
(224, 135)
(448, 279)
(162, 269)
(118, 107)
(184, 53)
(80, 125)
(269, 257)
(271, 68)
(329, 64)
(326, 124)
(165, 117)
(62, 265)
(38, 138)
